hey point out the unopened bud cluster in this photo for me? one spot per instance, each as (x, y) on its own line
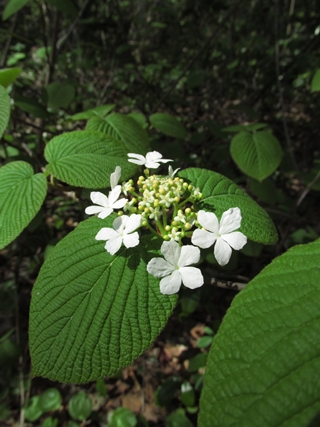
(163, 201)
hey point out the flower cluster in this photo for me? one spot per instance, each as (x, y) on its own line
(165, 206)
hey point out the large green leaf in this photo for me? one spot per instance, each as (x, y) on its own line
(93, 313)
(315, 83)
(100, 111)
(59, 95)
(264, 363)
(124, 128)
(86, 159)
(12, 7)
(9, 75)
(4, 110)
(168, 125)
(220, 194)
(21, 196)
(257, 154)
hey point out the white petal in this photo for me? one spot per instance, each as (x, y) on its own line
(105, 212)
(99, 198)
(202, 238)
(114, 195)
(152, 165)
(171, 284)
(189, 255)
(171, 252)
(236, 240)
(115, 176)
(113, 245)
(133, 223)
(120, 222)
(191, 277)
(106, 233)
(138, 159)
(158, 267)
(131, 240)
(209, 221)
(153, 155)
(230, 220)
(90, 210)
(119, 203)
(222, 251)
(172, 172)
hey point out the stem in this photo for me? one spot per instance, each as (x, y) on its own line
(161, 228)
(153, 231)
(164, 216)
(188, 199)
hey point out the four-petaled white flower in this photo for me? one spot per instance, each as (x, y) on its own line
(106, 205)
(174, 268)
(224, 235)
(123, 231)
(152, 159)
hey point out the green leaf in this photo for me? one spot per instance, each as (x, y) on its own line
(187, 394)
(139, 118)
(168, 124)
(65, 6)
(93, 313)
(178, 419)
(50, 400)
(86, 159)
(9, 75)
(59, 95)
(123, 417)
(100, 111)
(263, 363)
(257, 154)
(50, 422)
(33, 411)
(240, 128)
(197, 362)
(265, 190)
(21, 196)
(12, 7)
(80, 406)
(31, 106)
(315, 83)
(4, 110)
(124, 128)
(167, 391)
(220, 194)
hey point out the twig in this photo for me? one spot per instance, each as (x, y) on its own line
(307, 189)
(281, 99)
(18, 341)
(72, 26)
(291, 10)
(227, 284)
(196, 56)
(8, 43)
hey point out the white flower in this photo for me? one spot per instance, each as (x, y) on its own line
(114, 177)
(224, 235)
(152, 159)
(173, 268)
(172, 172)
(122, 232)
(106, 205)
